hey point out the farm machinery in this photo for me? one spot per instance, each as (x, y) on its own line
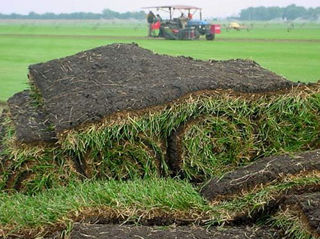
(183, 27)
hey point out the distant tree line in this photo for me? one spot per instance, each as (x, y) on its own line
(290, 12)
(106, 14)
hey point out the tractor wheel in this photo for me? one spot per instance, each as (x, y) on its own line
(210, 37)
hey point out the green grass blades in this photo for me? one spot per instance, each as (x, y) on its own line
(31, 174)
(220, 132)
(129, 199)
(124, 160)
(214, 145)
(291, 224)
(248, 203)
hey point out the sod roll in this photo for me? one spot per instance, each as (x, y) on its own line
(261, 172)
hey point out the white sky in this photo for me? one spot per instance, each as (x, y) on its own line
(211, 8)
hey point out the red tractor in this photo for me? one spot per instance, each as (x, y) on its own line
(183, 27)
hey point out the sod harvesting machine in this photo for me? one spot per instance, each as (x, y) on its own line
(183, 27)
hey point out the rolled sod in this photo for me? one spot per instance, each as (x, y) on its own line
(261, 172)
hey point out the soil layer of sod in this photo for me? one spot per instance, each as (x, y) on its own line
(30, 121)
(123, 112)
(83, 231)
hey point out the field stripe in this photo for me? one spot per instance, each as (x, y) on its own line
(144, 38)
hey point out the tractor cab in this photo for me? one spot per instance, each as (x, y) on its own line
(183, 27)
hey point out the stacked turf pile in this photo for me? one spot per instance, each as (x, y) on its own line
(122, 112)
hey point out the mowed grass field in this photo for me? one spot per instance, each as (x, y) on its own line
(294, 54)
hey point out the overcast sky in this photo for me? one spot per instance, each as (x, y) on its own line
(211, 8)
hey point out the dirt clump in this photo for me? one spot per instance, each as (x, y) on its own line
(93, 84)
(81, 231)
(262, 171)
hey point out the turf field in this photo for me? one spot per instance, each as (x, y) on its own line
(293, 53)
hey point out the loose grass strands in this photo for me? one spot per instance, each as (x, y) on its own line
(30, 169)
(291, 224)
(35, 175)
(290, 124)
(124, 160)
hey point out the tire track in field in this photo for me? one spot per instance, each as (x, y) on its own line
(145, 38)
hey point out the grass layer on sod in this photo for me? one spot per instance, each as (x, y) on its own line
(155, 201)
(263, 125)
(3, 105)
(135, 145)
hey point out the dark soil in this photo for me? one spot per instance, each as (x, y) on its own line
(84, 231)
(30, 121)
(308, 206)
(93, 84)
(3, 116)
(2, 129)
(262, 171)
(175, 146)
